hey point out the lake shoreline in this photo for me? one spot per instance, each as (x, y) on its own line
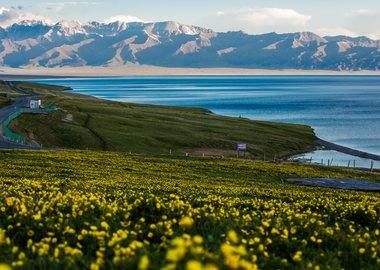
(142, 70)
(327, 145)
(319, 142)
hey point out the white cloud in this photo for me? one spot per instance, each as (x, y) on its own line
(364, 22)
(9, 17)
(335, 31)
(259, 20)
(59, 6)
(123, 18)
(361, 12)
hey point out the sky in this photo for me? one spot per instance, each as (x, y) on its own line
(324, 17)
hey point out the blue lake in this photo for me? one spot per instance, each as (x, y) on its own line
(342, 109)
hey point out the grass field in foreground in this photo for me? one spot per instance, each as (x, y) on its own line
(103, 210)
(84, 122)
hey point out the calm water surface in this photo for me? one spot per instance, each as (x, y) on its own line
(342, 109)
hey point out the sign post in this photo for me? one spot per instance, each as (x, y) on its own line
(241, 147)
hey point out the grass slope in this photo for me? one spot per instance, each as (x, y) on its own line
(103, 210)
(4, 101)
(5, 89)
(87, 123)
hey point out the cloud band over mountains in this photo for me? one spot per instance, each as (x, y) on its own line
(250, 20)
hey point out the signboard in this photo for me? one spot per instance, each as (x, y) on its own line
(241, 147)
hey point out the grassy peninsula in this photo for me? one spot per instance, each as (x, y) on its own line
(84, 122)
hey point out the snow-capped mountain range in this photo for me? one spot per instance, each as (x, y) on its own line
(171, 44)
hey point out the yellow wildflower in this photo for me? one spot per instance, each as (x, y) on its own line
(297, 256)
(232, 236)
(193, 265)
(143, 263)
(186, 222)
(5, 267)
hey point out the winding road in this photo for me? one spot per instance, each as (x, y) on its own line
(7, 111)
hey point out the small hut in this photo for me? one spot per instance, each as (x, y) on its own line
(34, 103)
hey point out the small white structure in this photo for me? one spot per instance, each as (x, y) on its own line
(35, 103)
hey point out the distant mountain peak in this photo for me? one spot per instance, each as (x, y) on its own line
(306, 38)
(175, 28)
(69, 28)
(172, 44)
(123, 19)
(32, 22)
(69, 23)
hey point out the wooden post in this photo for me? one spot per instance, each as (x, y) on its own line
(331, 161)
(348, 165)
(371, 165)
(354, 163)
(322, 161)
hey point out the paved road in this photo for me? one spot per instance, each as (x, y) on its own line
(5, 112)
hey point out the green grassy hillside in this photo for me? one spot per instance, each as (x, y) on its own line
(103, 210)
(5, 89)
(84, 122)
(4, 101)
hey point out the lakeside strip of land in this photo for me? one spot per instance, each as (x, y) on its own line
(85, 122)
(143, 70)
(347, 150)
(320, 142)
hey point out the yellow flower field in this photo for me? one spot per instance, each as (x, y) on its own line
(94, 210)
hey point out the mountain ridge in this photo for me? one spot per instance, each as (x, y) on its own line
(172, 44)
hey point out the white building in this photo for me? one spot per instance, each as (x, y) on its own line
(35, 103)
